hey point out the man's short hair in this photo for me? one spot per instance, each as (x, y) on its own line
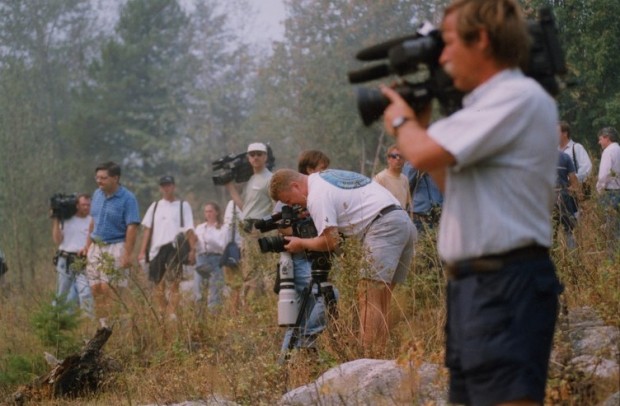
(83, 196)
(281, 180)
(609, 132)
(112, 168)
(310, 160)
(565, 128)
(504, 22)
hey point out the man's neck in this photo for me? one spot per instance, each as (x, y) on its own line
(113, 190)
(394, 172)
(563, 143)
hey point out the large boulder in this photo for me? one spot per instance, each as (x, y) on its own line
(372, 382)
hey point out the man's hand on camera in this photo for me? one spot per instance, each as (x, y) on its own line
(399, 113)
(294, 244)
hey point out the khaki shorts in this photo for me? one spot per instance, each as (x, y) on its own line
(104, 264)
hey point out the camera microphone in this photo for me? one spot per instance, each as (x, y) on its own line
(371, 73)
(380, 51)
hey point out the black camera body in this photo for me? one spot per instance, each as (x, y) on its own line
(63, 206)
(302, 225)
(407, 54)
(236, 168)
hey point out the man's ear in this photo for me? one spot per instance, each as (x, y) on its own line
(483, 43)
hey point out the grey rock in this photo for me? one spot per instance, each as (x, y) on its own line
(371, 382)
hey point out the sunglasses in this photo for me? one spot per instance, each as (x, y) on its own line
(255, 153)
(395, 156)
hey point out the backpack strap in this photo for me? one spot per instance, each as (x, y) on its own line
(182, 222)
(148, 245)
(575, 160)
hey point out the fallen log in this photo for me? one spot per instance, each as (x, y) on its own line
(76, 375)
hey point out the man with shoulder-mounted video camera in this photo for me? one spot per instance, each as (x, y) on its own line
(254, 204)
(71, 234)
(492, 161)
(348, 203)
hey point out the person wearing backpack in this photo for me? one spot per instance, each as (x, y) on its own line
(579, 155)
(168, 243)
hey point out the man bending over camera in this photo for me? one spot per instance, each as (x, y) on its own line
(492, 160)
(349, 203)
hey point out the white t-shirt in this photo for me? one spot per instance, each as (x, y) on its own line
(228, 221)
(211, 240)
(499, 194)
(609, 168)
(167, 223)
(75, 233)
(350, 207)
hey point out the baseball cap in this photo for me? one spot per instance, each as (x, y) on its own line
(257, 146)
(164, 180)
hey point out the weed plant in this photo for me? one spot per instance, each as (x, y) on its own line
(233, 353)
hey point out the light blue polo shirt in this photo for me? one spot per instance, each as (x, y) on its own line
(112, 215)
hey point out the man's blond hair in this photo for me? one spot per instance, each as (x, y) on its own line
(281, 180)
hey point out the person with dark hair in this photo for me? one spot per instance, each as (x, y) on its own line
(426, 198)
(567, 187)
(71, 235)
(492, 161)
(311, 161)
(164, 220)
(579, 155)
(212, 237)
(112, 233)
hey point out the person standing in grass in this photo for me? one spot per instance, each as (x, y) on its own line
(496, 162)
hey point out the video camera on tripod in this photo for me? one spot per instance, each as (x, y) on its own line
(236, 167)
(419, 54)
(290, 304)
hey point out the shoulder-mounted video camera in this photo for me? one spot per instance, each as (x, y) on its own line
(419, 54)
(237, 168)
(63, 206)
(298, 218)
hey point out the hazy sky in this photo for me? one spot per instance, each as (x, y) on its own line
(264, 26)
(268, 22)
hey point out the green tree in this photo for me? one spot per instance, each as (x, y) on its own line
(304, 91)
(44, 44)
(135, 100)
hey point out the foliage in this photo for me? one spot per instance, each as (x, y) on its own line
(55, 325)
(304, 99)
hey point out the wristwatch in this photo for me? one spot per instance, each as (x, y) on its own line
(399, 122)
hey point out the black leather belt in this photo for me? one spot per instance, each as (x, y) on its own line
(384, 211)
(495, 262)
(66, 254)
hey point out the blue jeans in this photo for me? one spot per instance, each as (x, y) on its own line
(209, 270)
(73, 287)
(610, 200)
(314, 318)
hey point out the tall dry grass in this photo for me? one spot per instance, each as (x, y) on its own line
(234, 353)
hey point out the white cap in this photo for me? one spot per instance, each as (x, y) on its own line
(257, 146)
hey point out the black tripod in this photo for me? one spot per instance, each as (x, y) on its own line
(320, 266)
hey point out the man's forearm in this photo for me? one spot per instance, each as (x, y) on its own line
(130, 239)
